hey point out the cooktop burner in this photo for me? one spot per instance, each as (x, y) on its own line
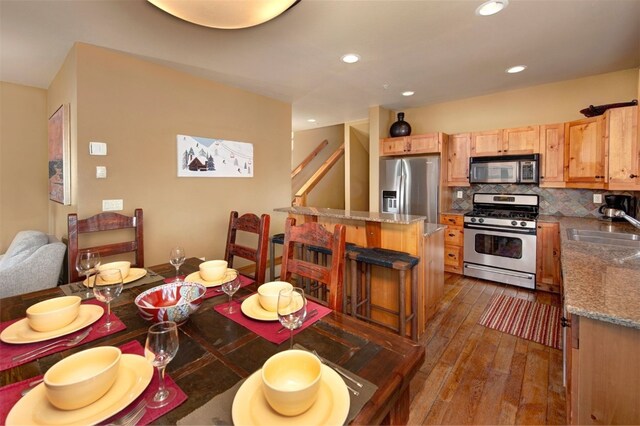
(505, 214)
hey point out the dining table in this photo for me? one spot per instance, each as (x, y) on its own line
(216, 353)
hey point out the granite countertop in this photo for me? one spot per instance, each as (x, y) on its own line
(403, 219)
(601, 281)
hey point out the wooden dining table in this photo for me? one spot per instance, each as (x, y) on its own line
(216, 353)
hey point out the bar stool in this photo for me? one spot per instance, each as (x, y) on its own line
(273, 240)
(396, 260)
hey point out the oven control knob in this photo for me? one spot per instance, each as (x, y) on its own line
(514, 223)
(523, 223)
(473, 219)
(481, 220)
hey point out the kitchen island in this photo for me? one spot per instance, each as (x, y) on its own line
(601, 299)
(406, 233)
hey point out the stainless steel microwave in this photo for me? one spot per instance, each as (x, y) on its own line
(504, 169)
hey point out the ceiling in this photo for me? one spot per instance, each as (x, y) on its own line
(439, 49)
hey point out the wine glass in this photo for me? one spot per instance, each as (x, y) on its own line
(230, 287)
(160, 348)
(176, 258)
(292, 309)
(87, 262)
(107, 288)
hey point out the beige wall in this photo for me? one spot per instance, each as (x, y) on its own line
(329, 192)
(358, 182)
(544, 104)
(137, 108)
(23, 161)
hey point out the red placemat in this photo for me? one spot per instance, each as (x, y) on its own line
(8, 351)
(10, 394)
(269, 329)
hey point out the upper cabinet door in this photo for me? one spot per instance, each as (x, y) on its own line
(584, 150)
(486, 143)
(621, 132)
(552, 149)
(394, 146)
(425, 144)
(458, 149)
(521, 140)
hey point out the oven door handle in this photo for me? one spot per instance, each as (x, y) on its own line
(502, 271)
(521, 231)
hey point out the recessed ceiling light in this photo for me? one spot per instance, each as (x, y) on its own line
(408, 93)
(350, 58)
(516, 69)
(491, 7)
(311, 120)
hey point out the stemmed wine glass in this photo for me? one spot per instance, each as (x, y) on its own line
(292, 309)
(87, 262)
(230, 288)
(105, 290)
(160, 348)
(176, 258)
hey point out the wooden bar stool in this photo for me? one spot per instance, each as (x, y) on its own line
(363, 259)
(273, 240)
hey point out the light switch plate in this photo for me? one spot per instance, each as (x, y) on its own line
(101, 172)
(97, 148)
(112, 205)
(597, 198)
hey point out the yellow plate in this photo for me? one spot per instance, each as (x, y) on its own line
(19, 332)
(331, 408)
(134, 376)
(195, 277)
(134, 275)
(252, 308)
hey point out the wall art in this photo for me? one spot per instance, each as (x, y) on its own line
(205, 157)
(59, 162)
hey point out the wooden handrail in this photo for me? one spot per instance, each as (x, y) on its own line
(301, 195)
(308, 158)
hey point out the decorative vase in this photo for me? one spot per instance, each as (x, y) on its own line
(400, 127)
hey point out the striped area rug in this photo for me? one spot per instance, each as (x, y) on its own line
(532, 321)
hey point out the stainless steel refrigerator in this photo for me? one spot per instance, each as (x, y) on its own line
(410, 185)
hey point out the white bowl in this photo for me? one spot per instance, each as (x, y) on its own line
(53, 314)
(123, 266)
(82, 378)
(291, 380)
(268, 294)
(213, 270)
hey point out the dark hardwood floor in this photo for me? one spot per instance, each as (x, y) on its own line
(476, 375)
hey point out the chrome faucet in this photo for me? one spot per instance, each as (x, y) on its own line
(622, 214)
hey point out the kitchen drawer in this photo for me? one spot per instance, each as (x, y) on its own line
(453, 259)
(452, 219)
(454, 236)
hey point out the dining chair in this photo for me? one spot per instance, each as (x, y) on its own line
(251, 224)
(313, 234)
(106, 221)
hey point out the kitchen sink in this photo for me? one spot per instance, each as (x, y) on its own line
(602, 237)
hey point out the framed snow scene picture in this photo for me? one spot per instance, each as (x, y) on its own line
(58, 135)
(204, 157)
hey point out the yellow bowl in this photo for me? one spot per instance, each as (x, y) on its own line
(291, 380)
(268, 294)
(213, 270)
(82, 378)
(123, 266)
(53, 314)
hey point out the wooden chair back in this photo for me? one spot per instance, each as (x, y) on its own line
(107, 221)
(314, 234)
(250, 223)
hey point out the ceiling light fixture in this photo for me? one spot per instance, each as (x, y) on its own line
(491, 7)
(350, 58)
(311, 120)
(516, 69)
(225, 14)
(408, 93)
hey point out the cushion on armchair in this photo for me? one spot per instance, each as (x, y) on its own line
(24, 244)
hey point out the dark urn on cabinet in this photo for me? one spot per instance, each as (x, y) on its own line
(400, 127)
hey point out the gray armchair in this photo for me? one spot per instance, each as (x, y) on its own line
(32, 262)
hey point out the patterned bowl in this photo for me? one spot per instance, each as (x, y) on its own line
(170, 302)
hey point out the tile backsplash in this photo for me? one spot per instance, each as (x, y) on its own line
(553, 201)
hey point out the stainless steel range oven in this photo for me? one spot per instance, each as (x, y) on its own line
(500, 238)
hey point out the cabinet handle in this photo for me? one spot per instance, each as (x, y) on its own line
(565, 322)
(632, 176)
(541, 177)
(452, 235)
(451, 255)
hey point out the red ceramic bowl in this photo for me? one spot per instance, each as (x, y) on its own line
(170, 302)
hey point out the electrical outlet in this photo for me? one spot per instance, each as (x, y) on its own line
(459, 194)
(97, 148)
(111, 205)
(597, 198)
(101, 172)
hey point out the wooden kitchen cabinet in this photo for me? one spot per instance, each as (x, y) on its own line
(434, 272)
(548, 272)
(457, 150)
(621, 139)
(603, 381)
(453, 242)
(430, 143)
(552, 150)
(584, 153)
(516, 141)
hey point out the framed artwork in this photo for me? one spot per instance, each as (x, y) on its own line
(59, 177)
(204, 157)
